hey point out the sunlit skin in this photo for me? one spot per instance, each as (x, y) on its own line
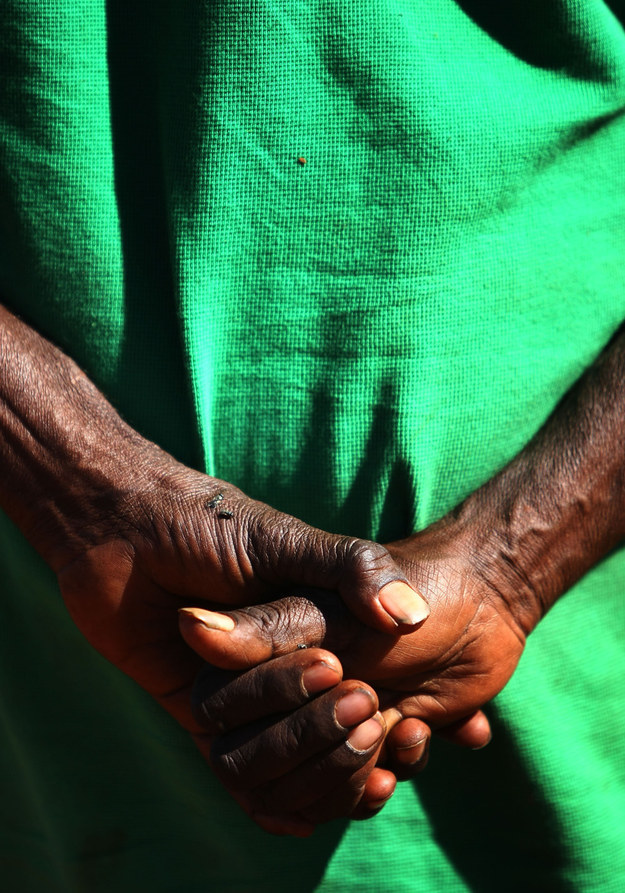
(439, 674)
(132, 537)
(490, 571)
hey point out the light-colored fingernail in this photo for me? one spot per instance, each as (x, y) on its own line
(486, 743)
(403, 603)
(411, 754)
(210, 619)
(353, 708)
(365, 735)
(391, 717)
(318, 677)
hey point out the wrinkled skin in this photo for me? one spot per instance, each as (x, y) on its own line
(132, 536)
(437, 676)
(189, 538)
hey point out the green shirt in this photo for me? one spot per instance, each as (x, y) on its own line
(348, 256)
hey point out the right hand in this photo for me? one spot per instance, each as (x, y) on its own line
(178, 537)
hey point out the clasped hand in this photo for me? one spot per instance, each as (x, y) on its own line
(174, 538)
(294, 757)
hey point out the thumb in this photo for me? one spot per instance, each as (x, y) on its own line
(285, 550)
(244, 638)
(240, 639)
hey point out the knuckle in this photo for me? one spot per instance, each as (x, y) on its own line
(305, 617)
(294, 734)
(365, 557)
(208, 715)
(209, 697)
(289, 622)
(268, 533)
(270, 619)
(290, 739)
(229, 766)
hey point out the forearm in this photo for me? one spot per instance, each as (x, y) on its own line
(66, 455)
(76, 476)
(559, 507)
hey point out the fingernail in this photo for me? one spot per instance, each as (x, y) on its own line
(365, 735)
(318, 677)
(403, 604)
(486, 743)
(210, 619)
(353, 708)
(412, 754)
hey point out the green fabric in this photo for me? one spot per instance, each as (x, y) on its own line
(361, 339)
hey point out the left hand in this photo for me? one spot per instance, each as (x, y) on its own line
(293, 743)
(293, 757)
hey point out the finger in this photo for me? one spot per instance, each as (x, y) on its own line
(249, 636)
(472, 731)
(407, 747)
(285, 550)
(328, 786)
(283, 826)
(237, 640)
(262, 752)
(223, 700)
(378, 790)
(407, 743)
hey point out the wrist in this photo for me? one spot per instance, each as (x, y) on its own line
(532, 536)
(82, 486)
(508, 552)
(528, 534)
(71, 466)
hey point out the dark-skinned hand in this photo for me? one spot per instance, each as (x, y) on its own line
(282, 754)
(271, 727)
(490, 570)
